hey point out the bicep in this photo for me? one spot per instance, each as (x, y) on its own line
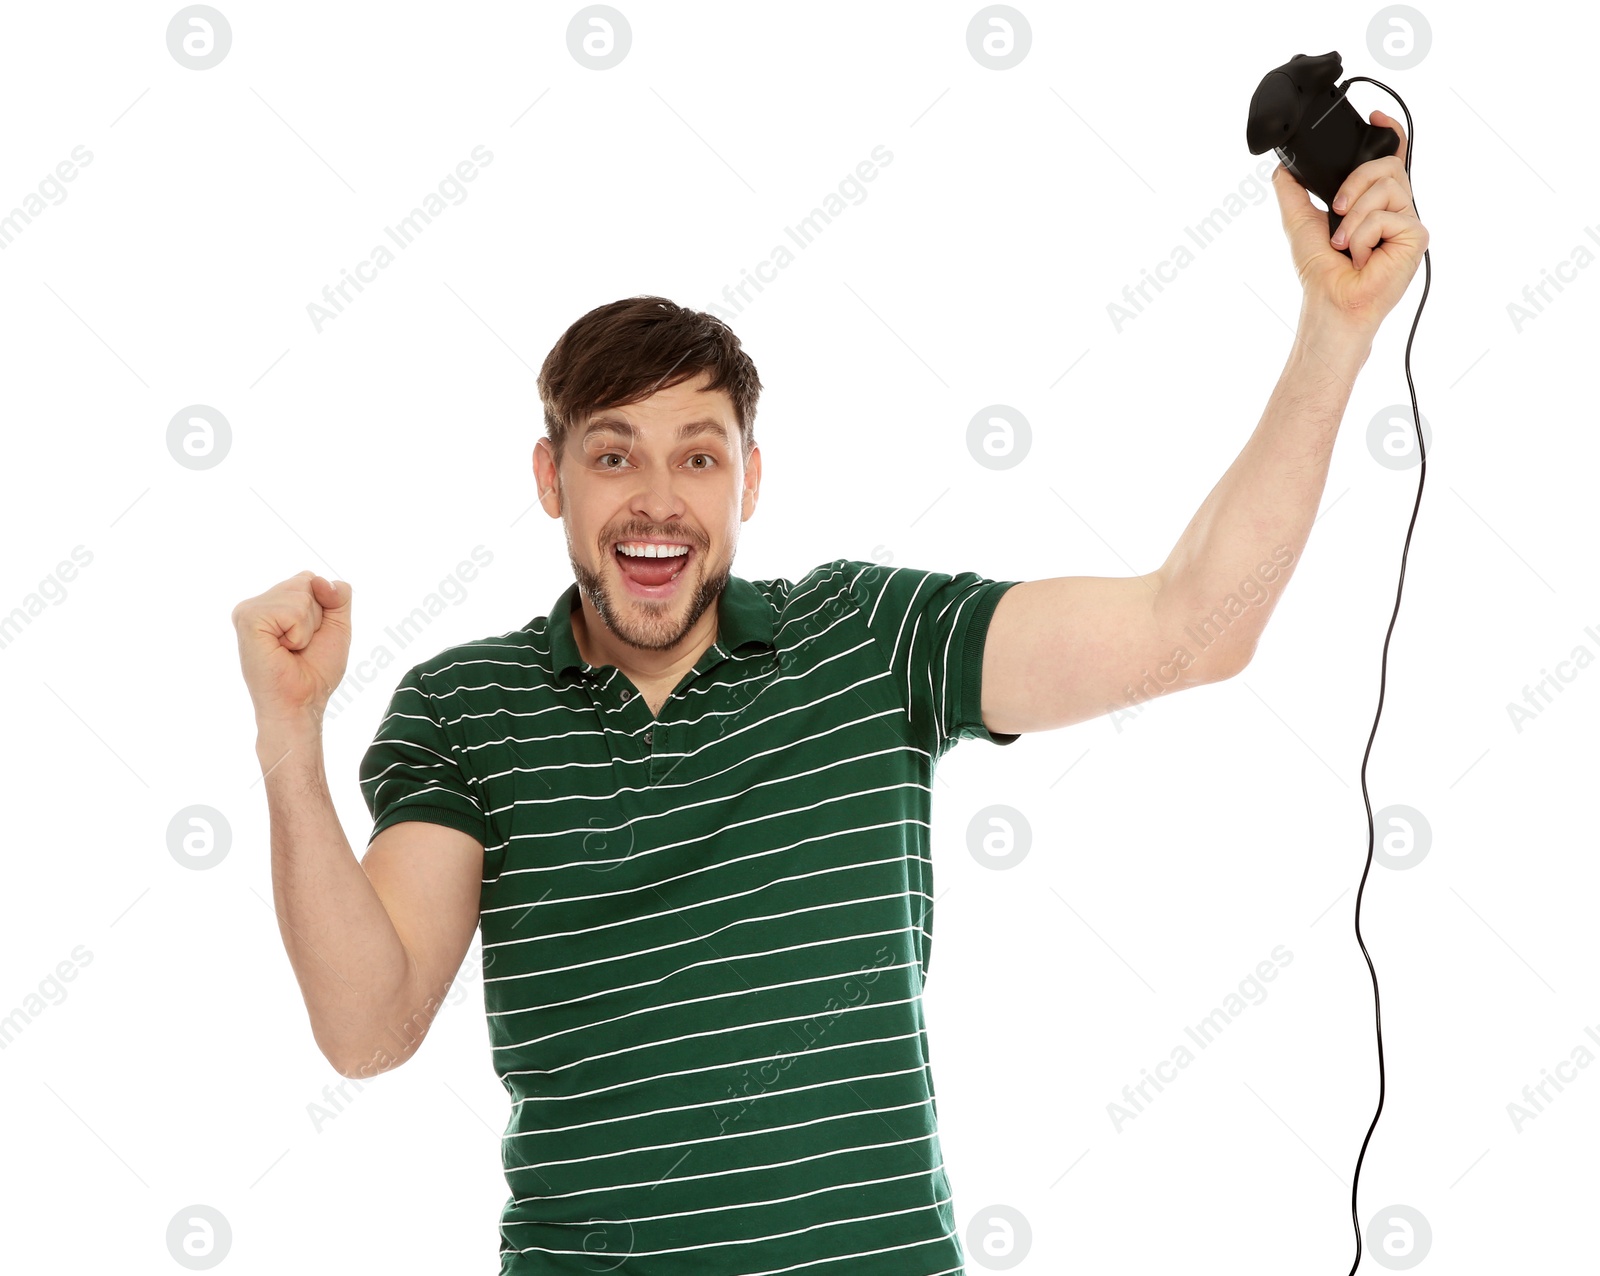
(428, 877)
(1071, 648)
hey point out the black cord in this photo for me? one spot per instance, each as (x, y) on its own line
(1377, 1009)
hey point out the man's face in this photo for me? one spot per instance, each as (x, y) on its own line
(668, 468)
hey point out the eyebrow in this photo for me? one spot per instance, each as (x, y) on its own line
(688, 430)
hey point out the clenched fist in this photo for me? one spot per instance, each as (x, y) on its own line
(294, 642)
(1379, 227)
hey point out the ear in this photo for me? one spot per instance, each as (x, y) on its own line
(546, 478)
(752, 484)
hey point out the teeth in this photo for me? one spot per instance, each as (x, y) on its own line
(652, 551)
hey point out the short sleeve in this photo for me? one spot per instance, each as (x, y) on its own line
(412, 769)
(931, 628)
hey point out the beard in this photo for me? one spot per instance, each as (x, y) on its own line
(651, 624)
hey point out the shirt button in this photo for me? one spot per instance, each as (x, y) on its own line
(647, 736)
(626, 694)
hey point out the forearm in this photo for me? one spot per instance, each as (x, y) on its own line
(354, 972)
(1219, 585)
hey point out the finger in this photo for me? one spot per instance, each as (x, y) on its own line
(308, 619)
(1383, 196)
(296, 612)
(1379, 226)
(1388, 121)
(1364, 175)
(294, 619)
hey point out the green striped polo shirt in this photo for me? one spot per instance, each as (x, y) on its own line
(706, 933)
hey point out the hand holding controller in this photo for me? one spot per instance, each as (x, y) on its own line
(1299, 112)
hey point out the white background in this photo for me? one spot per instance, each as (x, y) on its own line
(1170, 853)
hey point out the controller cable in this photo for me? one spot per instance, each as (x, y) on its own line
(1377, 1010)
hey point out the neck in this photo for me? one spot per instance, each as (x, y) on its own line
(599, 646)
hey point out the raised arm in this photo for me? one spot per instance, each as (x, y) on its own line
(374, 944)
(1070, 648)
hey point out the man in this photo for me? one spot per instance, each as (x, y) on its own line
(690, 811)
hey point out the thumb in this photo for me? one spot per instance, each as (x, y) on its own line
(1305, 224)
(334, 599)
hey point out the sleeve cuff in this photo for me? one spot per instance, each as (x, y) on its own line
(468, 822)
(972, 663)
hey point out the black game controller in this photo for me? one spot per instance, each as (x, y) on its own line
(1299, 112)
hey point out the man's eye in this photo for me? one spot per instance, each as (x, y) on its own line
(607, 455)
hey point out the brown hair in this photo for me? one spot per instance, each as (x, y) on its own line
(624, 351)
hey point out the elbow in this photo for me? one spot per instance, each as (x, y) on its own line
(1234, 662)
(365, 1068)
(346, 1068)
(359, 1065)
(1224, 658)
(362, 1051)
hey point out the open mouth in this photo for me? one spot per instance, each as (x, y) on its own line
(652, 573)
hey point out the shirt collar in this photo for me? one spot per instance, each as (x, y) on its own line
(743, 616)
